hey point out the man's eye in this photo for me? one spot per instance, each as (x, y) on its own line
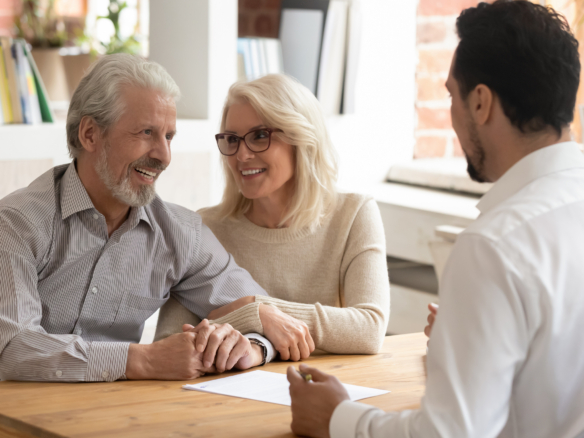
(169, 136)
(148, 131)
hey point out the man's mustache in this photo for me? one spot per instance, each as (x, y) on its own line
(150, 163)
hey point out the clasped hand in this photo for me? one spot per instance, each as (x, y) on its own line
(290, 337)
(206, 348)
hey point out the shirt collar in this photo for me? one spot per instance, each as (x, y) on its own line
(550, 159)
(74, 198)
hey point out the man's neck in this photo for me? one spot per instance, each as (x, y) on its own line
(509, 152)
(114, 211)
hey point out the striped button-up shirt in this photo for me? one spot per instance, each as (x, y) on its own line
(72, 299)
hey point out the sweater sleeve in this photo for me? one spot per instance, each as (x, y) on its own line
(173, 315)
(359, 326)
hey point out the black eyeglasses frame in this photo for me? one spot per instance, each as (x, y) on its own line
(270, 130)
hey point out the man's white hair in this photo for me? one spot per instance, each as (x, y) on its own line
(98, 93)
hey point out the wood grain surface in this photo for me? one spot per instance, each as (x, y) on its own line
(163, 409)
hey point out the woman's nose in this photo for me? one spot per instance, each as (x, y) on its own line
(243, 153)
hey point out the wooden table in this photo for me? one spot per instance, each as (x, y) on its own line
(162, 409)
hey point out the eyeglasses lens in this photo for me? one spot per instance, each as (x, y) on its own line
(258, 141)
(227, 143)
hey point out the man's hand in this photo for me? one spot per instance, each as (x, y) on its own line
(289, 336)
(433, 308)
(313, 403)
(231, 307)
(173, 358)
(223, 345)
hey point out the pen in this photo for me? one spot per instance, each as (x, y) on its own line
(307, 377)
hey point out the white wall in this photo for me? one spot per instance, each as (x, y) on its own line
(381, 132)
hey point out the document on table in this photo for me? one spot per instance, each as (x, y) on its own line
(268, 387)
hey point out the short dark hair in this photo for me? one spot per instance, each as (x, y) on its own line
(526, 54)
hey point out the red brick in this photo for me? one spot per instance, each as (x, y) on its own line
(273, 4)
(250, 4)
(6, 25)
(431, 89)
(430, 32)
(430, 147)
(431, 118)
(9, 5)
(434, 61)
(456, 150)
(265, 26)
(444, 7)
(243, 24)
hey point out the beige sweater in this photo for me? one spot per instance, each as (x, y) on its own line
(335, 280)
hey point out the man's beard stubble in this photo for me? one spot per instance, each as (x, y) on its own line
(122, 189)
(476, 165)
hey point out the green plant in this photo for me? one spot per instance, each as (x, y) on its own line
(39, 25)
(117, 44)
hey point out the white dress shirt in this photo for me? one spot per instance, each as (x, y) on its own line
(506, 356)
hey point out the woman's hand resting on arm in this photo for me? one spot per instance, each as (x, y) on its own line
(289, 336)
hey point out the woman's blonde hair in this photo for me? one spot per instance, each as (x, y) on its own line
(283, 103)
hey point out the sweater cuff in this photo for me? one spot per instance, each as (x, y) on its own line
(107, 361)
(300, 311)
(244, 320)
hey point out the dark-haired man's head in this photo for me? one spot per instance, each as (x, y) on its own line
(513, 82)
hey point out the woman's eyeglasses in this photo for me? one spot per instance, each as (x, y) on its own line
(257, 140)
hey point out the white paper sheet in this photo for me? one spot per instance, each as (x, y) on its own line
(268, 387)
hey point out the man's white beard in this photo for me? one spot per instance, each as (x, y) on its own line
(122, 190)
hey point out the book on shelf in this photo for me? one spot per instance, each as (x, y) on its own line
(47, 114)
(4, 91)
(12, 80)
(258, 57)
(23, 96)
(301, 30)
(320, 47)
(352, 61)
(332, 58)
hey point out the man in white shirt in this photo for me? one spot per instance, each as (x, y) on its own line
(505, 358)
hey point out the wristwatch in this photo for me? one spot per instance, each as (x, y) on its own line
(264, 349)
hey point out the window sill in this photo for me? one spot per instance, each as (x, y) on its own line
(437, 173)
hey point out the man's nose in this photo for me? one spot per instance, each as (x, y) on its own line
(161, 150)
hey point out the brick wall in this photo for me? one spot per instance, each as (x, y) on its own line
(259, 18)
(436, 42)
(7, 11)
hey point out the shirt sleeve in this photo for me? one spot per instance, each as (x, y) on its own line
(215, 280)
(27, 351)
(364, 294)
(479, 341)
(270, 350)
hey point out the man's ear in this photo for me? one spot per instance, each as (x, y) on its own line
(89, 134)
(481, 104)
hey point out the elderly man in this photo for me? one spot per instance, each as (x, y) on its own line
(88, 251)
(505, 357)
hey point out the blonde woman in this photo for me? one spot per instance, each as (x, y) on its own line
(319, 254)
